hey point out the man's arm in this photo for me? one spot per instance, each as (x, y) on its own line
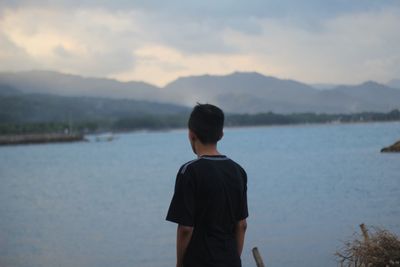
(183, 236)
(240, 231)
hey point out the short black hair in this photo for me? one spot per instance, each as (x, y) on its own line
(207, 122)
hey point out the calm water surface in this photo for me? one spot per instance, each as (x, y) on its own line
(103, 204)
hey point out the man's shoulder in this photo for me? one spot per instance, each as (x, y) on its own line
(241, 169)
(185, 166)
(237, 164)
(202, 162)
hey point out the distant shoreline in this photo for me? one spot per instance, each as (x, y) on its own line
(24, 139)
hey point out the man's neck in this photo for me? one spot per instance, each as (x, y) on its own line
(207, 150)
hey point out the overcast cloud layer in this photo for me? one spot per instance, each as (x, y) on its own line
(331, 41)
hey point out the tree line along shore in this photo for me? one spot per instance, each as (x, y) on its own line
(176, 121)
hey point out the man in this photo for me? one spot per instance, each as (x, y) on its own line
(210, 199)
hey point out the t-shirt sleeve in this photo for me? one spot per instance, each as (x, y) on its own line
(244, 212)
(182, 207)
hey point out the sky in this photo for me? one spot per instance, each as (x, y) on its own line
(313, 41)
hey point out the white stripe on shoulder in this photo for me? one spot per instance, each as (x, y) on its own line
(215, 158)
(187, 164)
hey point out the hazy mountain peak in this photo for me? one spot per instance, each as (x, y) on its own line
(372, 84)
(246, 74)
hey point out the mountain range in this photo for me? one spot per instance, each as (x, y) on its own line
(239, 92)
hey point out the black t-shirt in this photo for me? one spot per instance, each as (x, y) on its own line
(211, 196)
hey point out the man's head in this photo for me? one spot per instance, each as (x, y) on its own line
(206, 123)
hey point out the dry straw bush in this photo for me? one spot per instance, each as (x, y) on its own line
(375, 248)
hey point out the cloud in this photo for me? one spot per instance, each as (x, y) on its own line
(161, 64)
(337, 41)
(103, 43)
(78, 41)
(219, 9)
(349, 48)
(12, 57)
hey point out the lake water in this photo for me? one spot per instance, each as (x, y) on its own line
(104, 204)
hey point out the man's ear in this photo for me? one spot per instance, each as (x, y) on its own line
(192, 136)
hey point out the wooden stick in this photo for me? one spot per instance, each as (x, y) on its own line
(364, 232)
(257, 257)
